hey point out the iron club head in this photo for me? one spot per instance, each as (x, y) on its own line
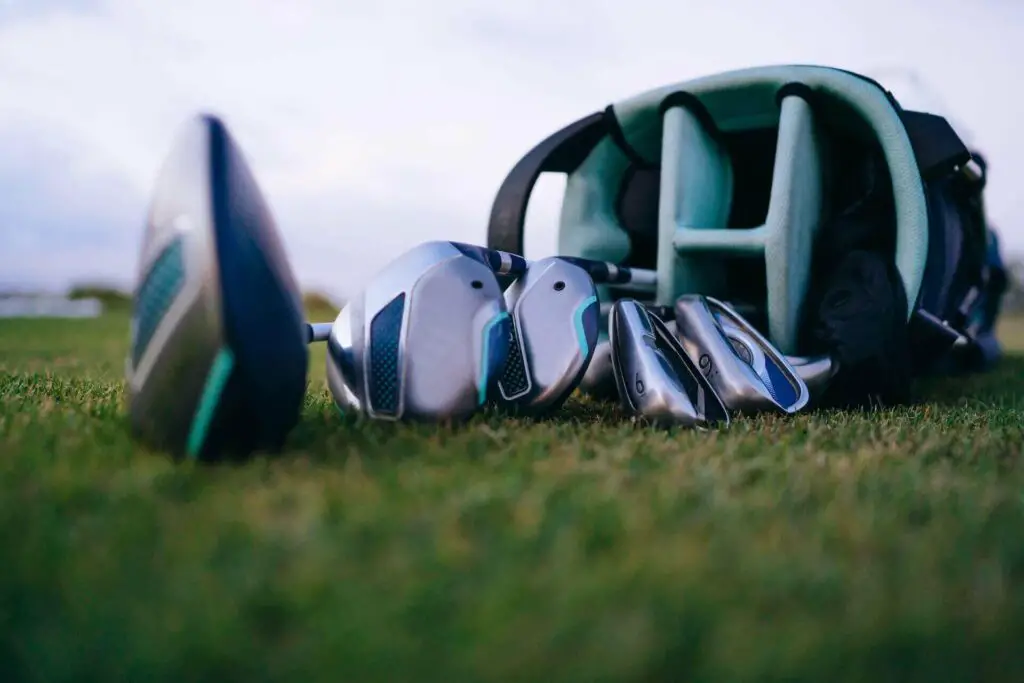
(218, 355)
(654, 376)
(747, 371)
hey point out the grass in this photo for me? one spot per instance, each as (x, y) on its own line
(829, 547)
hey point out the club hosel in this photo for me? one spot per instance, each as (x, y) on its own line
(318, 332)
(816, 371)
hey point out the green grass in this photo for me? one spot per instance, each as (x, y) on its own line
(829, 547)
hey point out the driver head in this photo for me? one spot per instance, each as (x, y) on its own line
(555, 316)
(425, 340)
(747, 371)
(655, 378)
(218, 345)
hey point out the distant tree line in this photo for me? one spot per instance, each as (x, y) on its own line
(114, 298)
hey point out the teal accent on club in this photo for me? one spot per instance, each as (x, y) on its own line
(160, 287)
(485, 357)
(216, 380)
(577, 319)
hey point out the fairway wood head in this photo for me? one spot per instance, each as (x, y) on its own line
(555, 316)
(425, 340)
(218, 353)
(746, 370)
(655, 378)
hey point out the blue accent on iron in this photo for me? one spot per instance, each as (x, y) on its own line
(781, 389)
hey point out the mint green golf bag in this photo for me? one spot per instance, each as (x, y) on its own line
(836, 221)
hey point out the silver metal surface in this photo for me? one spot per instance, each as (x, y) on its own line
(748, 372)
(655, 378)
(555, 314)
(444, 362)
(318, 332)
(599, 379)
(166, 381)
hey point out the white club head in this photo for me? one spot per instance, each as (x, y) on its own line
(425, 340)
(655, 378)
(555, 316)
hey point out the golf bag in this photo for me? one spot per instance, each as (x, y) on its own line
(808, 198)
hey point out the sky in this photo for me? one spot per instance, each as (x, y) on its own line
(373, 126)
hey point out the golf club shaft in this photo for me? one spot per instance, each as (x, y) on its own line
(318, 332)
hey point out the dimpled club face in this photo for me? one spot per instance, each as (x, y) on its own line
(555, 316)
(425, 340)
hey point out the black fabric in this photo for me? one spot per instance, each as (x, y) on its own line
(937, 147)
(561, 152)
(861, 320)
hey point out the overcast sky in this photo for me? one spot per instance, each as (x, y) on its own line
(372, 126)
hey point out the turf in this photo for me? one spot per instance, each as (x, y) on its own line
(884, 546)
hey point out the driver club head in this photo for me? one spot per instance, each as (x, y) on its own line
(745, 369)
(424, 340)
(654, 376)
(218, 357)
(555, 315)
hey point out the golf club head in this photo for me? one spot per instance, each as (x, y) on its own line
(654, 376)
(599, 380)
(218, 355)
(425, 340)
(555, 317)
(747, 371)
(815, 371)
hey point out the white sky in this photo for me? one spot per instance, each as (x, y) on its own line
(372, 126)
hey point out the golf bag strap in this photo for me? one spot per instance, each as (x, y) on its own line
(561, 152)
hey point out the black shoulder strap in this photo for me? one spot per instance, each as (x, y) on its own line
(561, 152)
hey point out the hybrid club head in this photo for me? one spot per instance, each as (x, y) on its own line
(654, 376)
(747, 371)
(555, 316)
(218, 356)
(425, 340)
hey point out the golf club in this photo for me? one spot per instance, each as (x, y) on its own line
(554, 311)
(655, 378)
(425, 339)
(815, 371)
(218, 356)
(747, 372)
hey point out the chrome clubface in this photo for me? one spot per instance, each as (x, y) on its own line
(746, 370)
(425, 340)
(555, 316)
(655, 378)
(218, 352)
